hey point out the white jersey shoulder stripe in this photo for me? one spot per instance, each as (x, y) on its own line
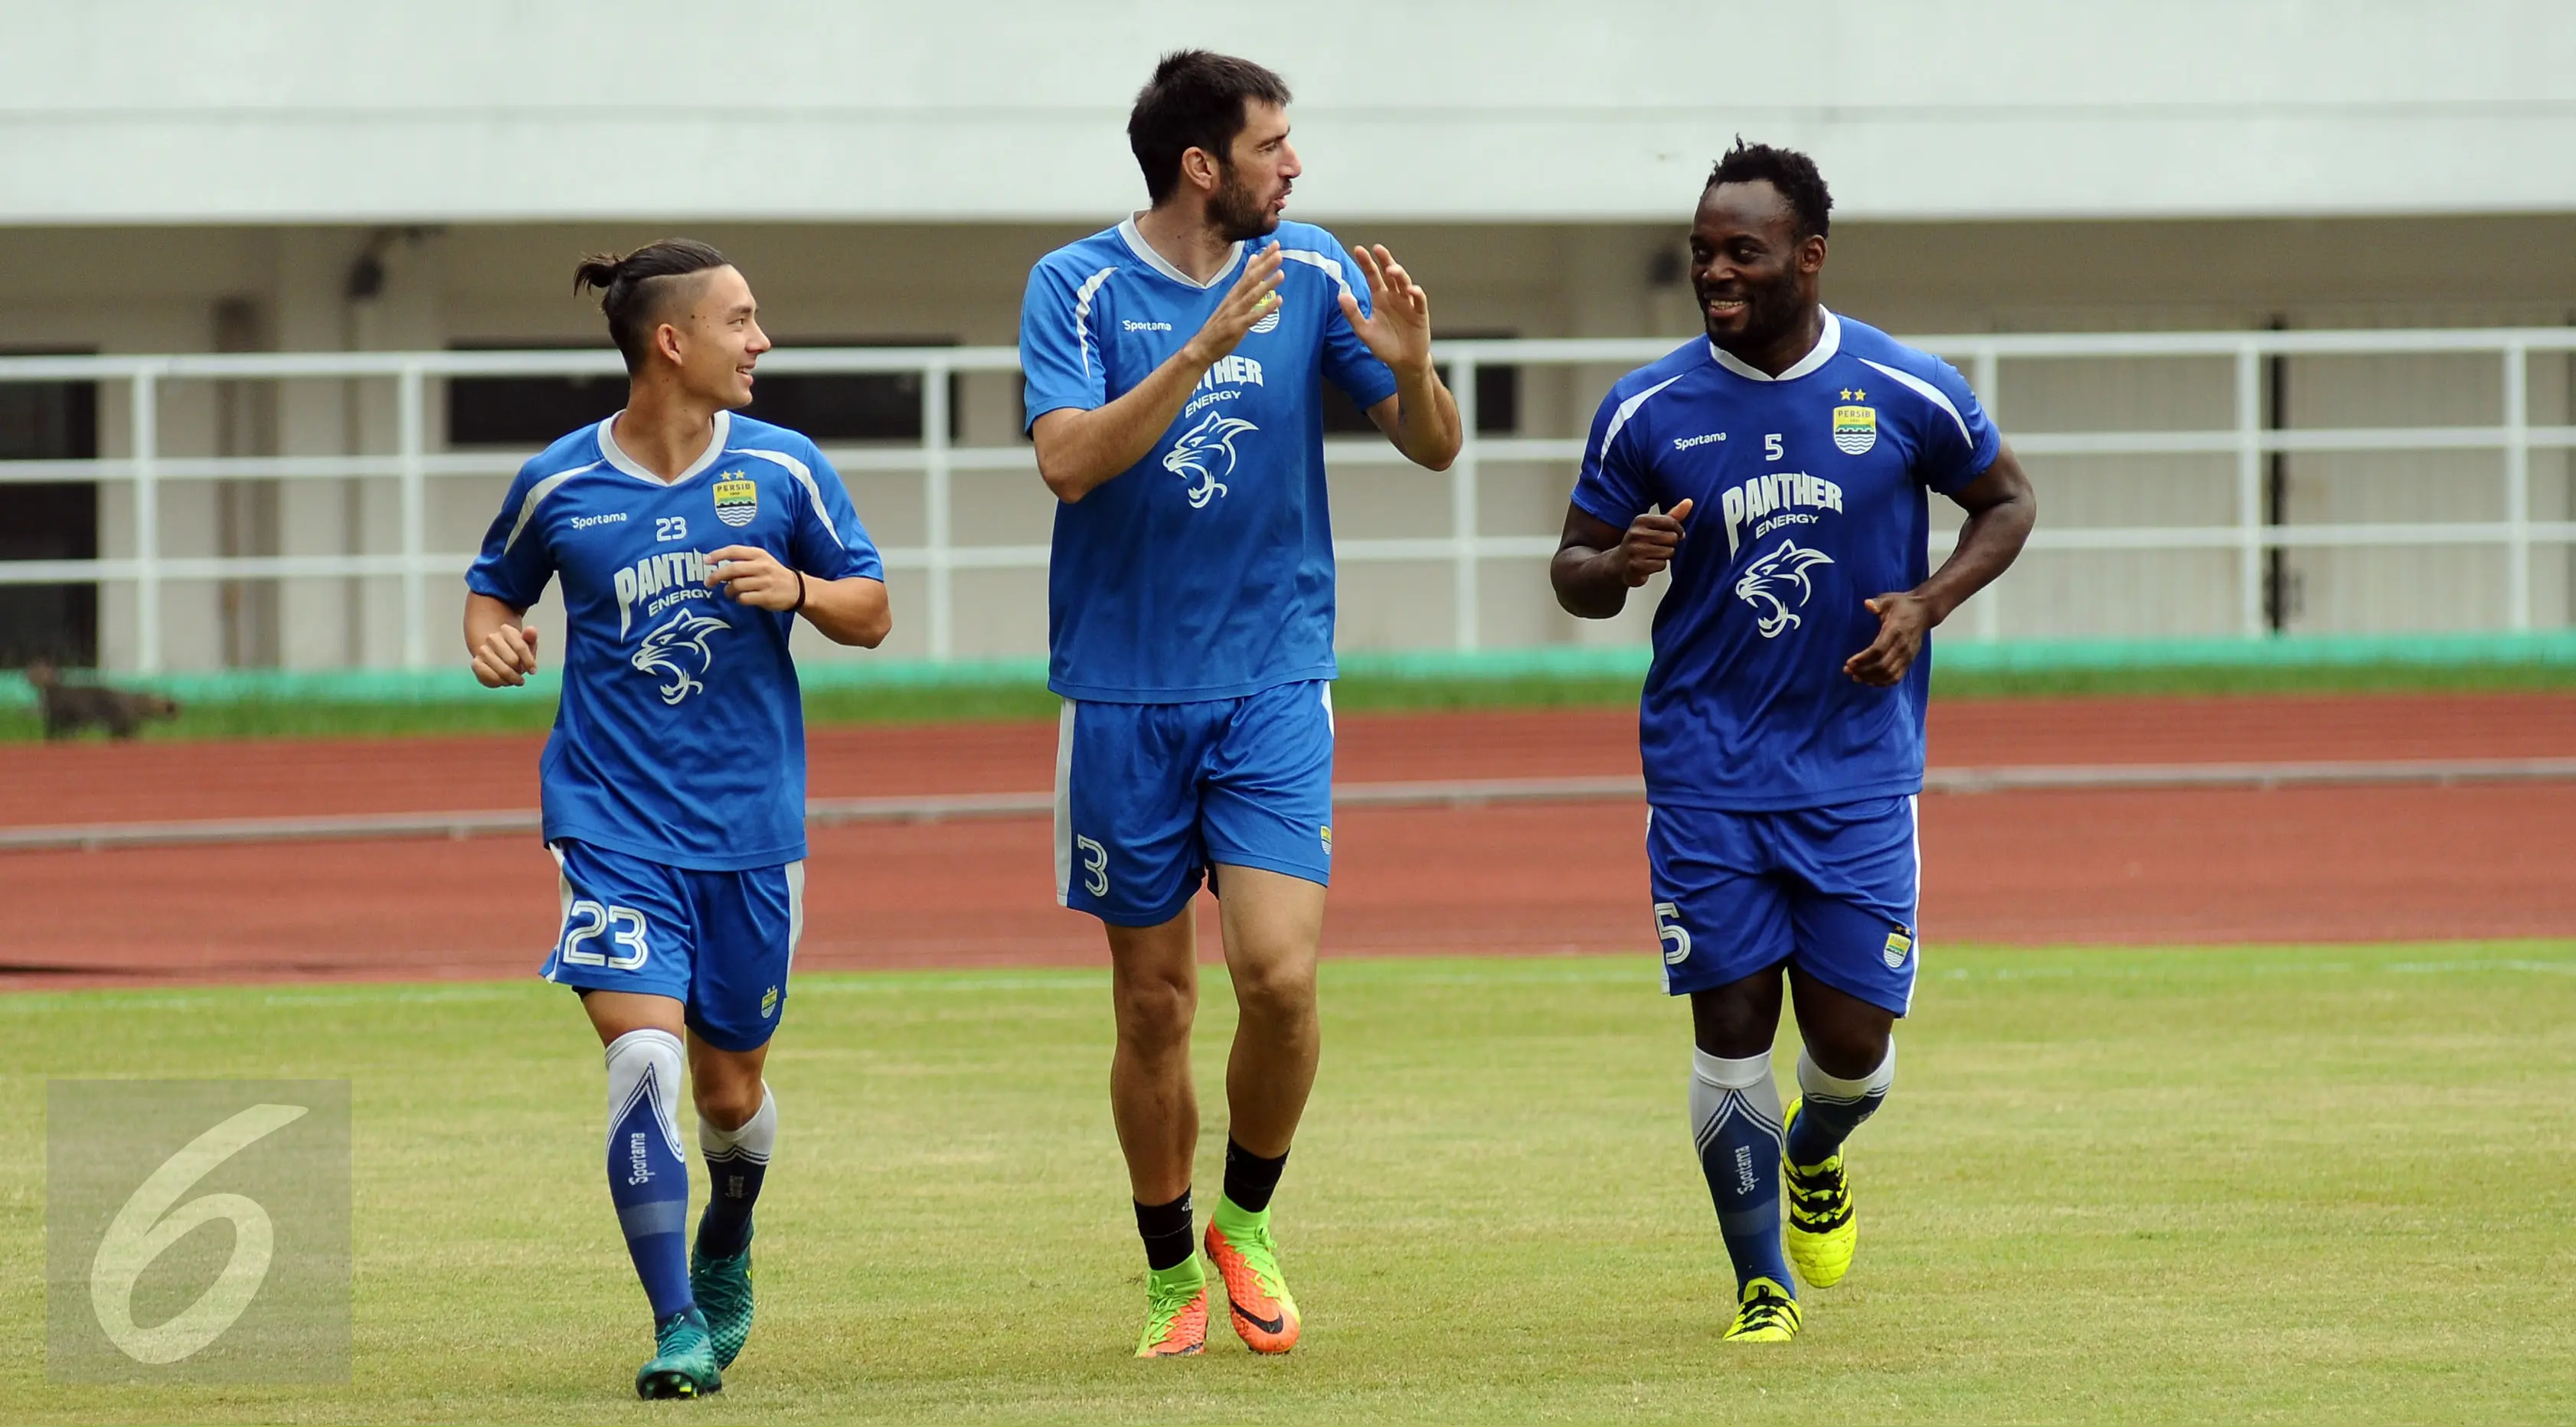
(536, 496)
(1627, 409)
(804, 477)
(1327, 266)
(1082, 311)
(1928, 391)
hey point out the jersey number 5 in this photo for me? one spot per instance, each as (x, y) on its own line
(1676, 937)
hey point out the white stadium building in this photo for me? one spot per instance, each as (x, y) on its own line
(2275, 297)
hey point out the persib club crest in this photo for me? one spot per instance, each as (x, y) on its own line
(738, 500)
(1900, 944)
(1270, 320)
(1855, 426)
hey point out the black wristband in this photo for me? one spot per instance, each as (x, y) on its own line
(800, 592)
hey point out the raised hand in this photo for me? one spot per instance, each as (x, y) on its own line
(1650, 544)
(506, 657)
(1397, 327)
(1250, 299)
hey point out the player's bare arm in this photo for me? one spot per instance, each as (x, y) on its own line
(1422, 417)
(1597, 564)
(2001, 508)
(503, 649)
(1080, 451)
(850, 611)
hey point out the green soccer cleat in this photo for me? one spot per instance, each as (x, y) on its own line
(684, 1360)
(1766, 1312)
(723, 1289)
(1175, 1311)
(1821, 1230)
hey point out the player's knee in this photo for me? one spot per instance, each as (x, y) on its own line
(728, 1102)
(1276, 991)
(1154, 1011)
(1847, 1051)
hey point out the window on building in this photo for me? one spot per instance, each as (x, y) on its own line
(1498, 396)
(839, 407)
(51, 520)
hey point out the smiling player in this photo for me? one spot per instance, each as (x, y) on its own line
(1782, 726)
(688, 539)
(1174, 367)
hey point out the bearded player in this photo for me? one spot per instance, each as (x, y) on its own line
(1779, 467)
(1175, 366)
(689, 540)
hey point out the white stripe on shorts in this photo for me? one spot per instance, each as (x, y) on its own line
(795, 912)
(1064, 806)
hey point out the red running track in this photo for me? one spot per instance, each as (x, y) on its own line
(2291, 865)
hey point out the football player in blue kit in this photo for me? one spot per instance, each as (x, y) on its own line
(1175, 365)
(1779, 468)
(688, 540)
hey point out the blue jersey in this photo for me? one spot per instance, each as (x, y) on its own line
(681, 737)
(1205, 570)
(1809, 494)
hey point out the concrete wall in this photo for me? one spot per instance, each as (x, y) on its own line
(194, 289)
(287, 111)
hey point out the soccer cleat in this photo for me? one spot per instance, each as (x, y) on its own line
(723, 1290)
(1176, 1311)
(1766, 1312)
(1256, 1294)
(1821, 1229)
(684, 1360)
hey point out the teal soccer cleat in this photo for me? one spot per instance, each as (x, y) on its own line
(723, 1289)
(684, 1360)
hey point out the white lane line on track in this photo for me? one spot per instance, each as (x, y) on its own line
(827, 812)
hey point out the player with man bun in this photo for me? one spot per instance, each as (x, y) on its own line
(688, 539)
(1778, 466)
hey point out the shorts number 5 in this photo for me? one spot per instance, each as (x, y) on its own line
(1675, 936)
(1095, 866)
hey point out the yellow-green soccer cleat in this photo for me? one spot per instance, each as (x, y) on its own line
(684, 1360)
(1822, 1230)
(1766, 1312)
(1176, 1311)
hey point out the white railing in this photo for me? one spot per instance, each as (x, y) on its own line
(413, 464)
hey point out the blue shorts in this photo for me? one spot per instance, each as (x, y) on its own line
(1148, 796)
(719, 943)
(1830, 889)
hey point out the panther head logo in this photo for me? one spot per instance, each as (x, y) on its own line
(1194, 456)
(1767, 582)
(665, 653)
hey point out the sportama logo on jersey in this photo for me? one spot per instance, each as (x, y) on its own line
(1855, 427)
(1767, 583)
(737, 500)
(673, 646)
(1195, 456)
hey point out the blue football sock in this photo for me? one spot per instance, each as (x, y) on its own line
(1735, 1122)
(737, 1160)
(1830, 1108)
(648, 1174)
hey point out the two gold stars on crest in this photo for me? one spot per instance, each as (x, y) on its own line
(1851, 395)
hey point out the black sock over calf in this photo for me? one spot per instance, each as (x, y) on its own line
(1165, 1228)
(1250, 1180)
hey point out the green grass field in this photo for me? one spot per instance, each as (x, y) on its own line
(262, 717)
(2317, 1185)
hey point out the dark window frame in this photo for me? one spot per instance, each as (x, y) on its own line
(52, 520)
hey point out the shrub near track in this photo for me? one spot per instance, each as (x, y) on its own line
(2318, 1185)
